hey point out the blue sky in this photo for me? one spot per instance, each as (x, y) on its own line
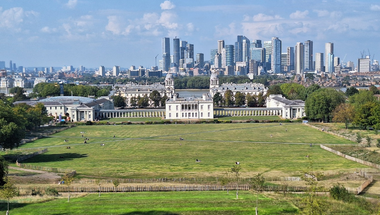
(126, 32)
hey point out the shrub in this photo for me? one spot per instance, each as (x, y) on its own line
(148, 122)
(378, 143)
(358, 138)
(368, 138)
(339, 192)
(88, 123)
(51, 191)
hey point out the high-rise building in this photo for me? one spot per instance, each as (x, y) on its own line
(364, 65)
(253, 67)
(329, 57)
(183, 45)
(14, 67)
(212, 56)
(176, 52)
(200, 60)
(220, 45)
(256, 44)
(308, 58)
(319, 65)
(336, 61)
(190, 51)
(290, 60)
(299, 61)
(102, 71)
(276, 55)
(166, 54)
(230, 54)
(350, 65)
(258, 54)
(115, 70)
(51, 69)
(284, 62)
(2, 64)
(239, 57)
(218, 60)
(10, 65)
(268, 54)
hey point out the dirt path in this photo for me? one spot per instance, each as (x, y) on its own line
(41, 177)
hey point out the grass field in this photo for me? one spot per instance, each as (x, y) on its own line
(158, 204)
(144, 151)
(249, 117)
(151, 119)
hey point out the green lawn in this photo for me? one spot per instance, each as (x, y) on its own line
(152, 119)
(143, 151)
(158, 204)
(249, 118)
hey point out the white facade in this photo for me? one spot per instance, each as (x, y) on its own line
(291, 109)
(190, 108)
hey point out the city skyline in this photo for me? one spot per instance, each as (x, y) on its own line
(125, 33)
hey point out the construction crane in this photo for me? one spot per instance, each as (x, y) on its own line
(155, 61)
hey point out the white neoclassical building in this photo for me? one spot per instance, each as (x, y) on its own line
(190, 107)
(246, 88)
(291, 109)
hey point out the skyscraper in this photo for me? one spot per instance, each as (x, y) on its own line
(308, 58)
(268, 54)
(10, 66)
(329, 57)
(239, 57)
(230, 54)
(165, 54)
(256, 44)
(220, 45)
(176, 52)
(102, 71)
(290, 60)
(299, 61)
(319, 65)
(200, 60)
(115, 70)
(183, 45)
(190, 51)
(212, 56)
(276, 55)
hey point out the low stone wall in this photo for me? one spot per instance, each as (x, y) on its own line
(363, 174)
(29, 156)
(329, 132)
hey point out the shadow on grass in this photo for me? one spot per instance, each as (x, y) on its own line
(150, 213)
(3, 206)
(55, 157)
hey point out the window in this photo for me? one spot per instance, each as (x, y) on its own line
(195, 115)
(176, 115)
(192, 115)
(170, 115)
(208, 107)
(185, 114)
(208, 114)
(182, 115)
(201, 107)
(56, 108)
(176, 108)
(170, 107)
(201, 114)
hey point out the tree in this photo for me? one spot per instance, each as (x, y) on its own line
(67, 179)
(97, 181)
(274, 89)
(260, 100)
(311, 89)
(155, 96)
(251, 100)
(228, 98)
(236, 171)
(360, 98)
(344, 113)
(133, 101)
(143, 101)
(18, 93)
(12, 129)
(239, 99)
(320, 104)
(3, 171)
(373, 89)
(163, 100)
(293, 90)
(351, 91)
(119, 101)
(116, 183)
(364, 115)
(217, 98)
(8, 191)
(257, 184)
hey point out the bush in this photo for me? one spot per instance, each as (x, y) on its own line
(339, 192)
(148, 122)
(358, 138)
(378, 143)
(88, 123)
(368, 138)
(51, 191)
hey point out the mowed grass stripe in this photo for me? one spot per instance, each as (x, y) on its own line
(206, 202)
(171, 157)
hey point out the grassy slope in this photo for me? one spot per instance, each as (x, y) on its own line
(156, 151)
(158, 203)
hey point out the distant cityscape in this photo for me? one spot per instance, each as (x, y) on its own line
(245, 57)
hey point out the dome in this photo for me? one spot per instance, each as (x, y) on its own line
(214, 75)
(169, 76)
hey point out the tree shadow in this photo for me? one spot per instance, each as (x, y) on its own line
(3, 206)
(55, 157)
(150, 213)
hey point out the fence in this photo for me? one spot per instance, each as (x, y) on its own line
(178, 180)
(363, 174)
(63, 188)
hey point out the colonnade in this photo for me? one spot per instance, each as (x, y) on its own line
(131, 113)
(248, 112)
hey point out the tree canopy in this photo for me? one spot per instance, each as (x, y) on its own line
(321, 103)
